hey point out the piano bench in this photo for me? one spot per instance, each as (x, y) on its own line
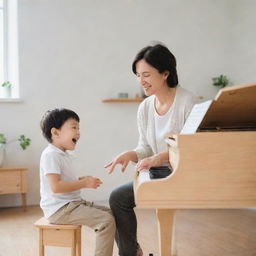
(59, 235)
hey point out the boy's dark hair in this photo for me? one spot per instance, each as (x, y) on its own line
(159, 57)
(55, 119)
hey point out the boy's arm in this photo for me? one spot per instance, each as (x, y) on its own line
(60, 186)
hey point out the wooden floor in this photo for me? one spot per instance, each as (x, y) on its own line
(198, 233)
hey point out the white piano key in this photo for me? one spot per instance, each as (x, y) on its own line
(143, 176)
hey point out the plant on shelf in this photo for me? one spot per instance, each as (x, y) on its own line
(24, 141)
(220, 81)
(6, 89)
(7, 84)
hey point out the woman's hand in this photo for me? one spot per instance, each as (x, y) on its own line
(152, 161)
(122, 159)
(147, 163)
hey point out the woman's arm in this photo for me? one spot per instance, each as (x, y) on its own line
(143, 149)
(60, 186)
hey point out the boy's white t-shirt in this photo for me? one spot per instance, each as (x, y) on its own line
(54, 160)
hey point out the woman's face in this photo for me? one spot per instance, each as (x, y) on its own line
(150, 78)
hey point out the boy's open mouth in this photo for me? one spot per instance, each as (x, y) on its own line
(74, 140)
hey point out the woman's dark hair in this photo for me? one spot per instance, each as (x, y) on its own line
(55, 119)
(159, 57)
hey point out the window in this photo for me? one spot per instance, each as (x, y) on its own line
(1, 42)
(9, 48)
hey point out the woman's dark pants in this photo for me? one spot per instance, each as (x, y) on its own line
(121, 202)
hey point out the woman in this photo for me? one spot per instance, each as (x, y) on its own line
(164, 111)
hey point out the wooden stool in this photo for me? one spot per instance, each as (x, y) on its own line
(59, 235)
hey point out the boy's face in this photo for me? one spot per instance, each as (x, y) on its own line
(67, 136)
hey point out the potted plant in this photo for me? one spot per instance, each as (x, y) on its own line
(6, 89)
(23, 141)
(220, 81)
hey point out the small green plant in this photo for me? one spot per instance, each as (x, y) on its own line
(7, 84)
(24, 141)
(2, 139)
(220, 81)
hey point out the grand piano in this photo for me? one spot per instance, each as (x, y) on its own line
(214, 168)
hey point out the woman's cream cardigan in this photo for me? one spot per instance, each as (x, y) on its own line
(182, 105)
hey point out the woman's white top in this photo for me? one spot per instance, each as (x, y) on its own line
(161, 129)
(152, 128)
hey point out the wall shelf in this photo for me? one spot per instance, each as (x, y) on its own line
(123, 100)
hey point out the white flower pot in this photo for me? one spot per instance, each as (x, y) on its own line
(2, 154)
(5, 92)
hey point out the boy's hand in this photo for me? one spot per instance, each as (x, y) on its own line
(90, 182)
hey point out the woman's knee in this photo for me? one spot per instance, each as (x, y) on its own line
(122, 196)
(114, 197)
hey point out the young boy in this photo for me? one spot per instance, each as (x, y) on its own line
(60, 189)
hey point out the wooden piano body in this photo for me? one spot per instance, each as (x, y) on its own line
(213, 168)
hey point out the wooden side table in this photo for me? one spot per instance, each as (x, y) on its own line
(14, 181)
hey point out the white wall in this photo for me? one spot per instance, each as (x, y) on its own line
(75, 53)
(242, 61)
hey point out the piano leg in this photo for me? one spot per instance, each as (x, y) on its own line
(166, 232)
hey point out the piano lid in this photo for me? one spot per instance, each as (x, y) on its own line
(233, 108)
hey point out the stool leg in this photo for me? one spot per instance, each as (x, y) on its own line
(78, 242)
(41, 244)
(73, 247)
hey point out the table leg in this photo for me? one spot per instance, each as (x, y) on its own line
(24, 201)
